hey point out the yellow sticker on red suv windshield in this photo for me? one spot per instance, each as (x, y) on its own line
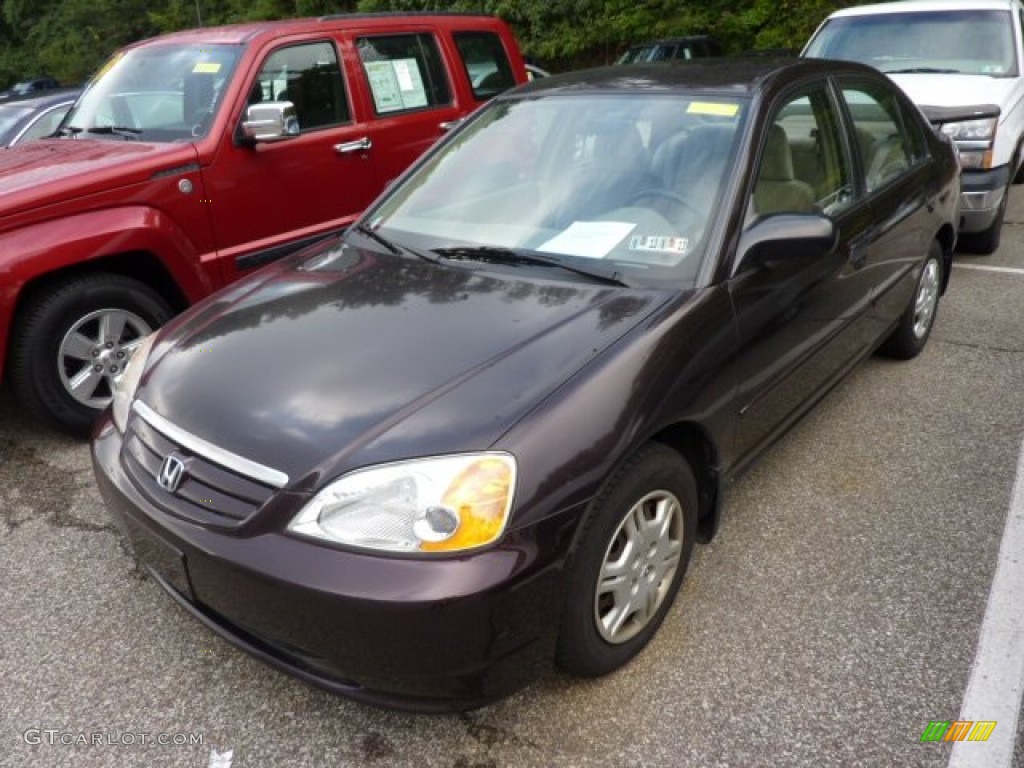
(713, 108)
(206, 67)
(108, 65)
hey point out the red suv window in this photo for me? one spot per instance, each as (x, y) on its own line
(486, 62)
(405, 72)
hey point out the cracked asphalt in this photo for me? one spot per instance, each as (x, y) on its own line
(835, 615)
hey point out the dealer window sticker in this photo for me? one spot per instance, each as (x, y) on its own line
(396, 84)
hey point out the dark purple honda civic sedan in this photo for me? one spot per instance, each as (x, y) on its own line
(483, 429)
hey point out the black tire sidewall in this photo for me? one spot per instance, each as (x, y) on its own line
(581, 649)
(40, 328)
(904, 344)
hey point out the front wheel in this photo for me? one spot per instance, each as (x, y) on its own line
(70, 344)
(915, 325)
(632, 554)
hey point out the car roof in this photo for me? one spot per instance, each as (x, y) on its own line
(740, 75)
(238, 34)
(670, 40)
(42, 99)
(920, 6)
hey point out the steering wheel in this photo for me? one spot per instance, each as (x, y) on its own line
(123, 114)
(667, 194)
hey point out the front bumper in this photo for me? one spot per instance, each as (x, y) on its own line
(417, 634)
(982, 195)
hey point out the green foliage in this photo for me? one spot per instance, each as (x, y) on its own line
(69, 39)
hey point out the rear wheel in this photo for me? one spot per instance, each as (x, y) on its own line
(70, 344)
(915, 325)
(630, 562)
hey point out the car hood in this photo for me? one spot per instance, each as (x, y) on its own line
(377, 357)
(934, 90)
(49, 171)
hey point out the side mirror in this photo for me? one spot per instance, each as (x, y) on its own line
(787, 238)
(270, 121)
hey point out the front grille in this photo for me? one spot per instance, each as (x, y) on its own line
(209, 492)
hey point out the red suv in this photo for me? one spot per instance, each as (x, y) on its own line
(193, 158)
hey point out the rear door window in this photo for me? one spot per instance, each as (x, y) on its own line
(405, 72)
(486, 63)
(887, 147)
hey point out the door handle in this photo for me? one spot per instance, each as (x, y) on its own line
(447, 125)
(348, 147)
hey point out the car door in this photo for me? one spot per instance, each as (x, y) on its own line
(407, 90)
(796, 319)
(265, 198)
(893, 164)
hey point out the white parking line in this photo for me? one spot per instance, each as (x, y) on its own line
(997, 678)
(986, 268)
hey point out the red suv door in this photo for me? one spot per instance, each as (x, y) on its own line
(407, 90)
(264, 197)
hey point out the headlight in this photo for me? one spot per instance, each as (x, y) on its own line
(438, 504)
(973, 141)
(983, 129)
(128, 382)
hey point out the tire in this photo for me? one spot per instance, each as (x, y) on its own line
(601, 628)
(62, 335)
(915, 325)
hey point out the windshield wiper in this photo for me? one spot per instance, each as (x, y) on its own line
(378, 238)
(494, 255)
(115, 130)
(922, 71)
(67, 130)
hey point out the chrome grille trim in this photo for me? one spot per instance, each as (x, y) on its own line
(209, 451)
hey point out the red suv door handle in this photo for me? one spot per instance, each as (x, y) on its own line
(359, 145)
(449, 124)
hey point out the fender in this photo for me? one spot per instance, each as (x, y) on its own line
(48, 247)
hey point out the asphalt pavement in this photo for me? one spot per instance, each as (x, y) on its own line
(835, 615)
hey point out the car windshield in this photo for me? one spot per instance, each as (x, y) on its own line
(630, 181)
(156, 93)
(970, 42)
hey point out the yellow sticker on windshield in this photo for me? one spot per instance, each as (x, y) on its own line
(108, 65)
(206, 67)
(712, 108)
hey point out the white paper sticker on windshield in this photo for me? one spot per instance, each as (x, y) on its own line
(589, 239)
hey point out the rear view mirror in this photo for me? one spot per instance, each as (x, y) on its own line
(270, 121)
(787, 238)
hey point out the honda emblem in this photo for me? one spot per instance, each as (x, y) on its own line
(172, 472)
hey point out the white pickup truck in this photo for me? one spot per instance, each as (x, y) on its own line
(955, 59)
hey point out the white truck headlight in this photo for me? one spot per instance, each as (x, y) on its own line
(974, 140)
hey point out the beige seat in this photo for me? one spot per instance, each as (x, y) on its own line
(778, 190)
(692, 163)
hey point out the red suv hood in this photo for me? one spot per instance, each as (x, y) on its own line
(52, 170)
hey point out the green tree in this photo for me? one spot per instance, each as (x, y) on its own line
(69, 39)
